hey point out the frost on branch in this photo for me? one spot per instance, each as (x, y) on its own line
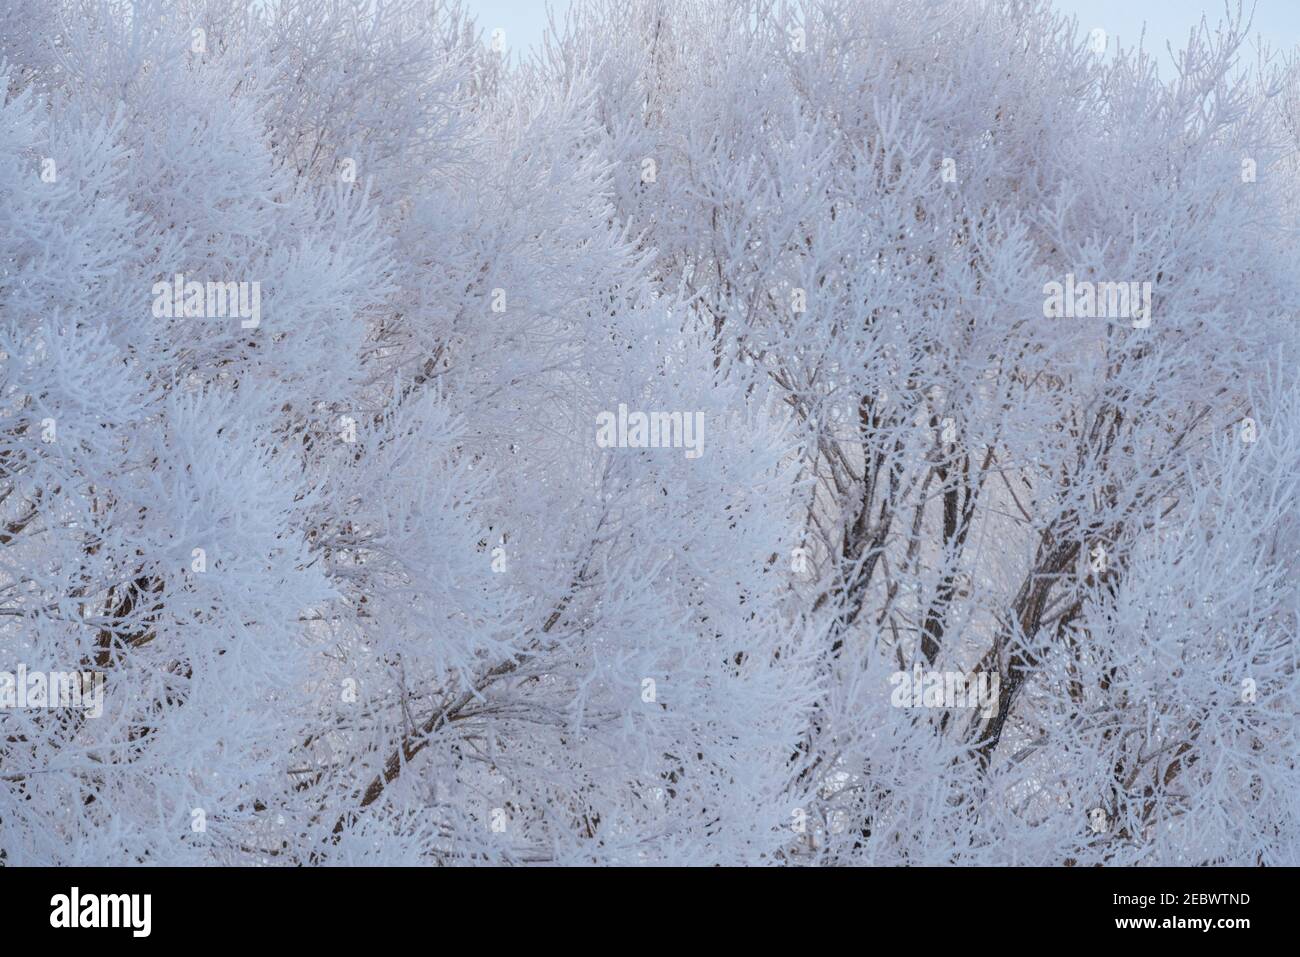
(741, 433)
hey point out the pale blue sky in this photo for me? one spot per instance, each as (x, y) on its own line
(1277, 21)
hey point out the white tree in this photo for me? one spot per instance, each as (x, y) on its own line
(365, 578)
(866, 203)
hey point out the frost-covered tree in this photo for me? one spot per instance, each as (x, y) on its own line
(336, 351)
(868, 204)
